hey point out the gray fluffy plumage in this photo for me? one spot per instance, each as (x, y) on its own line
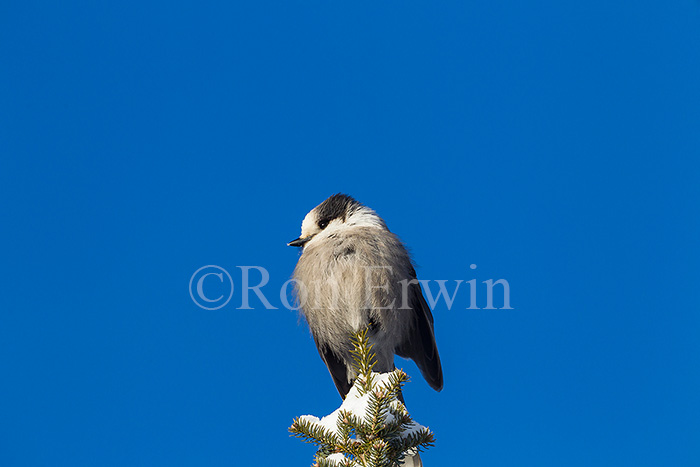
(354, 273)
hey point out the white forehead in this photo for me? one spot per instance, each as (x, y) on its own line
(308, 225)
(360, 217)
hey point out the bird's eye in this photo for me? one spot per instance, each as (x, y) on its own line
(323, 224)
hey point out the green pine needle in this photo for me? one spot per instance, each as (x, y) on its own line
(380, 438)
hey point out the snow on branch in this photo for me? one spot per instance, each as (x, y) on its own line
(372, 427)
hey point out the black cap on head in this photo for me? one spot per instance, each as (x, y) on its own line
(337, 206)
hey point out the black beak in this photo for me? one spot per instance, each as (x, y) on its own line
(299, 241)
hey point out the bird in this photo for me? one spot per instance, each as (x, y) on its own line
(353, 274)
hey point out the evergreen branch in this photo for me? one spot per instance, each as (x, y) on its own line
(364, 359)
(312, 433)
(373, 427)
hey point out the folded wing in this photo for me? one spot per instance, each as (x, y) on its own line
(420, 345)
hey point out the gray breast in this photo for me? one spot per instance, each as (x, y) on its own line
(350, 278)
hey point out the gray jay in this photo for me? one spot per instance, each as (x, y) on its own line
(354, 273)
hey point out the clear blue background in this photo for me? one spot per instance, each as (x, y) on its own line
(555, 144)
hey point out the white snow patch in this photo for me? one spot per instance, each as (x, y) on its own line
(338, 458)
(358, 404)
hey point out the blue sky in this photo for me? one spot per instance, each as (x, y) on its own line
(553, 144)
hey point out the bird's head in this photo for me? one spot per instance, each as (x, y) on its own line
(336, 213)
